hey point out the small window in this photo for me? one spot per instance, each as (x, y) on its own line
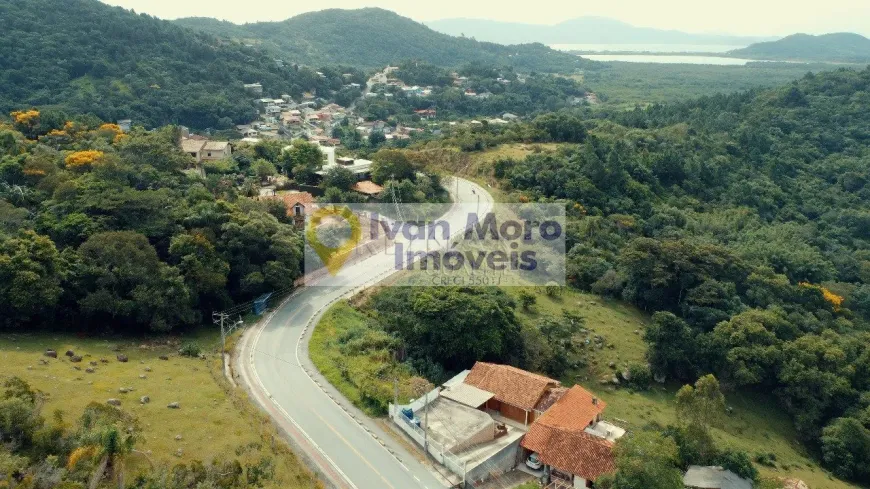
(209, 154)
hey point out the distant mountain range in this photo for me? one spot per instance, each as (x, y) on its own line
(582, 30)
(373, 37)
(840, 47)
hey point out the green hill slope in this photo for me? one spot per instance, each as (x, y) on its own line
(373, 37)
(840, 47)
(87, 57)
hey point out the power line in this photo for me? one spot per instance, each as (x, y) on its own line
(227, 328)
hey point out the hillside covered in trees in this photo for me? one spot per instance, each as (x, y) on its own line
(87, 57)
(373, 37)
(743, 223)
(838, 47)
(104, 231)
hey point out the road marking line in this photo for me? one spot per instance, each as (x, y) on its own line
(354, 449)
(343, 291)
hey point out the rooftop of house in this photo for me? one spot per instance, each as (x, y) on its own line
(292, 198)
(192, 145)
(367, 187)
(574, 452)
(466, 394)
(550, 397)
(452, 424)
(510, 384)
(215, 145)
(563, 439)
(714, 478)
(576, 410)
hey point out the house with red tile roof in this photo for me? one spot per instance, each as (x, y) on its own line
(532, 413)
(298, 204)
(572, 440)
(516, 392)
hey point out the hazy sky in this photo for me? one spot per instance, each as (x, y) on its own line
(748, 17)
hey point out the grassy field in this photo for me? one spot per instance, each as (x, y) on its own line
(355, 357)
(757, 425)
(214, 420)
(477, 166)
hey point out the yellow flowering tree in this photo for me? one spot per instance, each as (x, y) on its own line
(84, 159)
(835, 300)
(26, 121)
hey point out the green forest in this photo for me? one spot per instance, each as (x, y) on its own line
(102, 231)
(743, 223)
(89, 58)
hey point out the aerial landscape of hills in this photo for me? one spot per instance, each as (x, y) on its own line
(374, 37)
(88, 57)
(843, 47)
(194, 293)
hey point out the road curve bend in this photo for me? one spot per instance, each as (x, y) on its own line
(350, 450)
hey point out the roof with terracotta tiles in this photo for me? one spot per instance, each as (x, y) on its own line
(550, 397)
(292, 198)
(559, 438)
(367, 187)
(574, 452)
(575, 410)
(510, 384)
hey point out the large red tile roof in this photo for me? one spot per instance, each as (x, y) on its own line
(559, 438)
(509, 384)
(573, 452)
(575, 410)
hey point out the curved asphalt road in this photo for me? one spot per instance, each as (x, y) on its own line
(350, 450)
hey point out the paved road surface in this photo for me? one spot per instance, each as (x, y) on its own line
(347, 448)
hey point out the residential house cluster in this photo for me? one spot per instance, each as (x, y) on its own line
(493, 419)
(284, 118)
(490, 419)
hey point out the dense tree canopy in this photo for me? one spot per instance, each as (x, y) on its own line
(450, 326)
(128, 241)
(87, 57)
(742, 222)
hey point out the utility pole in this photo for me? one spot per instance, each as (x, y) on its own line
(396, 392)
(226, 329)
(426, 424)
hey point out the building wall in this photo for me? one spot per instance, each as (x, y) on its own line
(510, 412)
(502, 462)
(514, 413)
(483, 435)
(215, 155)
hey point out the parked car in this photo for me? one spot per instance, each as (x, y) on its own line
(534, 462)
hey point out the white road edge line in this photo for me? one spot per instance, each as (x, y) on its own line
(281, 409)
(317, 315)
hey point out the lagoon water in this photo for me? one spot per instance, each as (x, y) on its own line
(667, 53)
(647, 48)
(669, 58)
